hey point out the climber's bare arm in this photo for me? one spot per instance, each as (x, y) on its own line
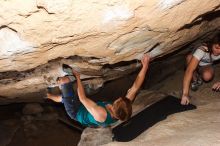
(98, 112)
(131, 94)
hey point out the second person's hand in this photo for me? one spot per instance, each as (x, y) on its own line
(185, 100)
(216, 86)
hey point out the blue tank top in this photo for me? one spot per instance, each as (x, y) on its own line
(86, 119)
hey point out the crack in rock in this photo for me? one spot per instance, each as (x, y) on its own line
(209, 16)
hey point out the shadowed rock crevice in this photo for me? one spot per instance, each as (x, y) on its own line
(209, 16)
(5, 26)
(43, 8)
(92, 69)
(33, 82)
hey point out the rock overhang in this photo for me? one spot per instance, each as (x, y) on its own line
(39, 35)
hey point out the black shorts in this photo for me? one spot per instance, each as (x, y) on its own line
(70, 100)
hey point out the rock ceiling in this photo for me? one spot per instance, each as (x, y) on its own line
(100, 39)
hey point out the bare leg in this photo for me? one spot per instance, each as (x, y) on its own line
(207, 73)
(61, 81)
(55, 98)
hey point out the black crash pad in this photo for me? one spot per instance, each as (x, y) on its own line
(153, 114)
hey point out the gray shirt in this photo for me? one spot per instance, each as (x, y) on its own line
(204, 57)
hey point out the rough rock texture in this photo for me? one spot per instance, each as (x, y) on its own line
(192, 128)
(198, 127)
(95, 136)
(36, 36)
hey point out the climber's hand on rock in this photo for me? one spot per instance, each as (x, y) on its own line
(76, 74)
(145, 60)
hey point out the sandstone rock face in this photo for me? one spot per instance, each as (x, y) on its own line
(37, 36)
(95, 137)
(191, 128)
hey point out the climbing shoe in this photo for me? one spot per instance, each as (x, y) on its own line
(199, 80)
(67, 69)
(195, 84)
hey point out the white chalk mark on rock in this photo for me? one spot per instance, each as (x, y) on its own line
(11, 43)
(117, 13)
(166, 4)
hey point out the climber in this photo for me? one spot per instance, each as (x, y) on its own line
(200, 67)
(101, 114)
